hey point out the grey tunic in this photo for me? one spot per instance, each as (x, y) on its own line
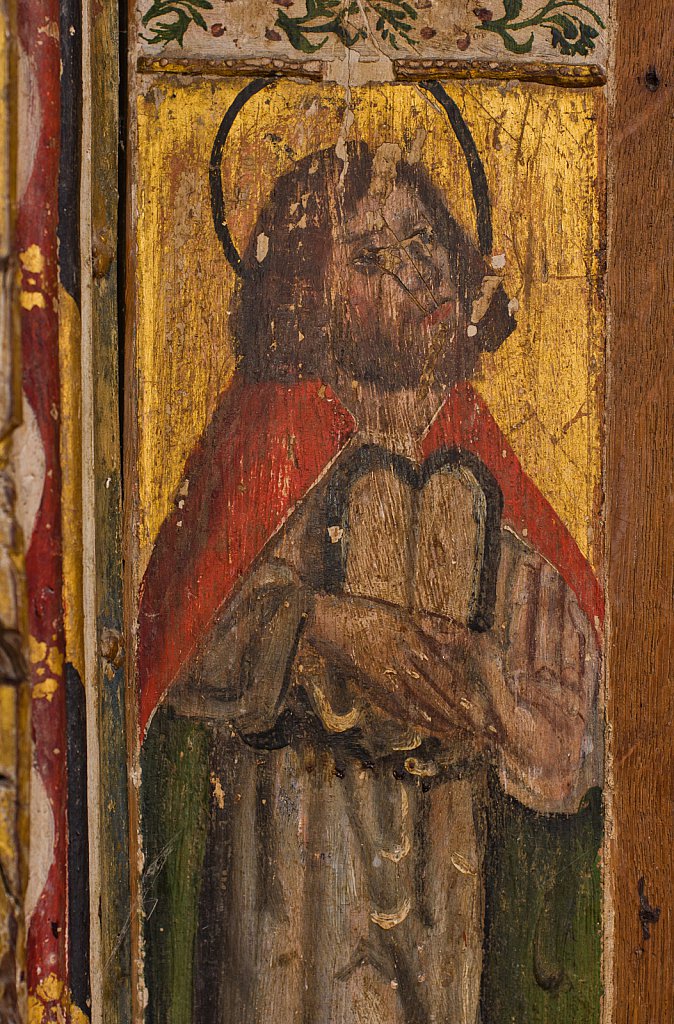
(343, 879)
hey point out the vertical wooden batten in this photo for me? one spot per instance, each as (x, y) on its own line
(102, 499)
(71, 501)
(640, 513)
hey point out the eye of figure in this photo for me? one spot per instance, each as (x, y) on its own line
(387, 259)
(384, 259)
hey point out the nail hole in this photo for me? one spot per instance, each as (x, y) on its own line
(651, 79)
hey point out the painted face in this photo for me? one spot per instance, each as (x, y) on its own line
(402, 312)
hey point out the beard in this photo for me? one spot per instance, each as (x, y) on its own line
(407, 359)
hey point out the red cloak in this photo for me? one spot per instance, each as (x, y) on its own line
(265, 448)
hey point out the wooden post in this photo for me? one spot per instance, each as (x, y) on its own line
(640, 513)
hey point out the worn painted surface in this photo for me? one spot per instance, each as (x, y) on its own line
(36, 238)
(242, 434)
(45, 465)
(543, 385)
(542, 870)
(14, 692)
(519, 30)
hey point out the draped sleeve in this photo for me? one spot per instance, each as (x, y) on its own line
(243, 671)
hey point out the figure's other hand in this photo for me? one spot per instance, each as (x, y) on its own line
(540, 672)
(422, 679)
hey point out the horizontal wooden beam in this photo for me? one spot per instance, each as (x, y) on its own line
(575, 76)
(251, 67)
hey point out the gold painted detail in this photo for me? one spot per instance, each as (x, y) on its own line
(388, 921)
(254, 67)
(47, 663)
(32, 265)
(45, 688)
(462, 865)
(32, 260)
(399, 852)
(51, 1004)
(424, 769)
(410, 741)
(32, 300)
(71, 480)
(43, 657)
(573, 76)
(332, 720)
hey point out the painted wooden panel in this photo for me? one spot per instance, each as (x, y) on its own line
(410, 527)
(366, 549)
(262, 806)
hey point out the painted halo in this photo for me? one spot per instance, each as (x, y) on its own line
(463, 134)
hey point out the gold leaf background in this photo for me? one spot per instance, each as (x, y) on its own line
(541, 150)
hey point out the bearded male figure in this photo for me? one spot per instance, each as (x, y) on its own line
(371, 607)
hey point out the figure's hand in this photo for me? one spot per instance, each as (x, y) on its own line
(409, 668)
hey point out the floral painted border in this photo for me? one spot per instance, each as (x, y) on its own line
(574, 26)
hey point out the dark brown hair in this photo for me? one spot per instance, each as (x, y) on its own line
(285, 315)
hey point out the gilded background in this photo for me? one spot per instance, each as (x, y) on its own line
(540, 148)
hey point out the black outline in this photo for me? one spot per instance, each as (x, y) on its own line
(476, 170)
(77, 890)
(78, 841)
(215, 172)
(370, 457)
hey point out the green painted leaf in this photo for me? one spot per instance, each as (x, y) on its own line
(569, 34)
(512, 10)
(568, 27)
(329, 18)
(512, 44)
(410, 11)
(180, 14)
(296, 37)
(198, 19)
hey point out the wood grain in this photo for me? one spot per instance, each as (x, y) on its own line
(111, 978)
(640, 513)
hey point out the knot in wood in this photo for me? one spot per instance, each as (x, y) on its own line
(112, 647)
(102, 255)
